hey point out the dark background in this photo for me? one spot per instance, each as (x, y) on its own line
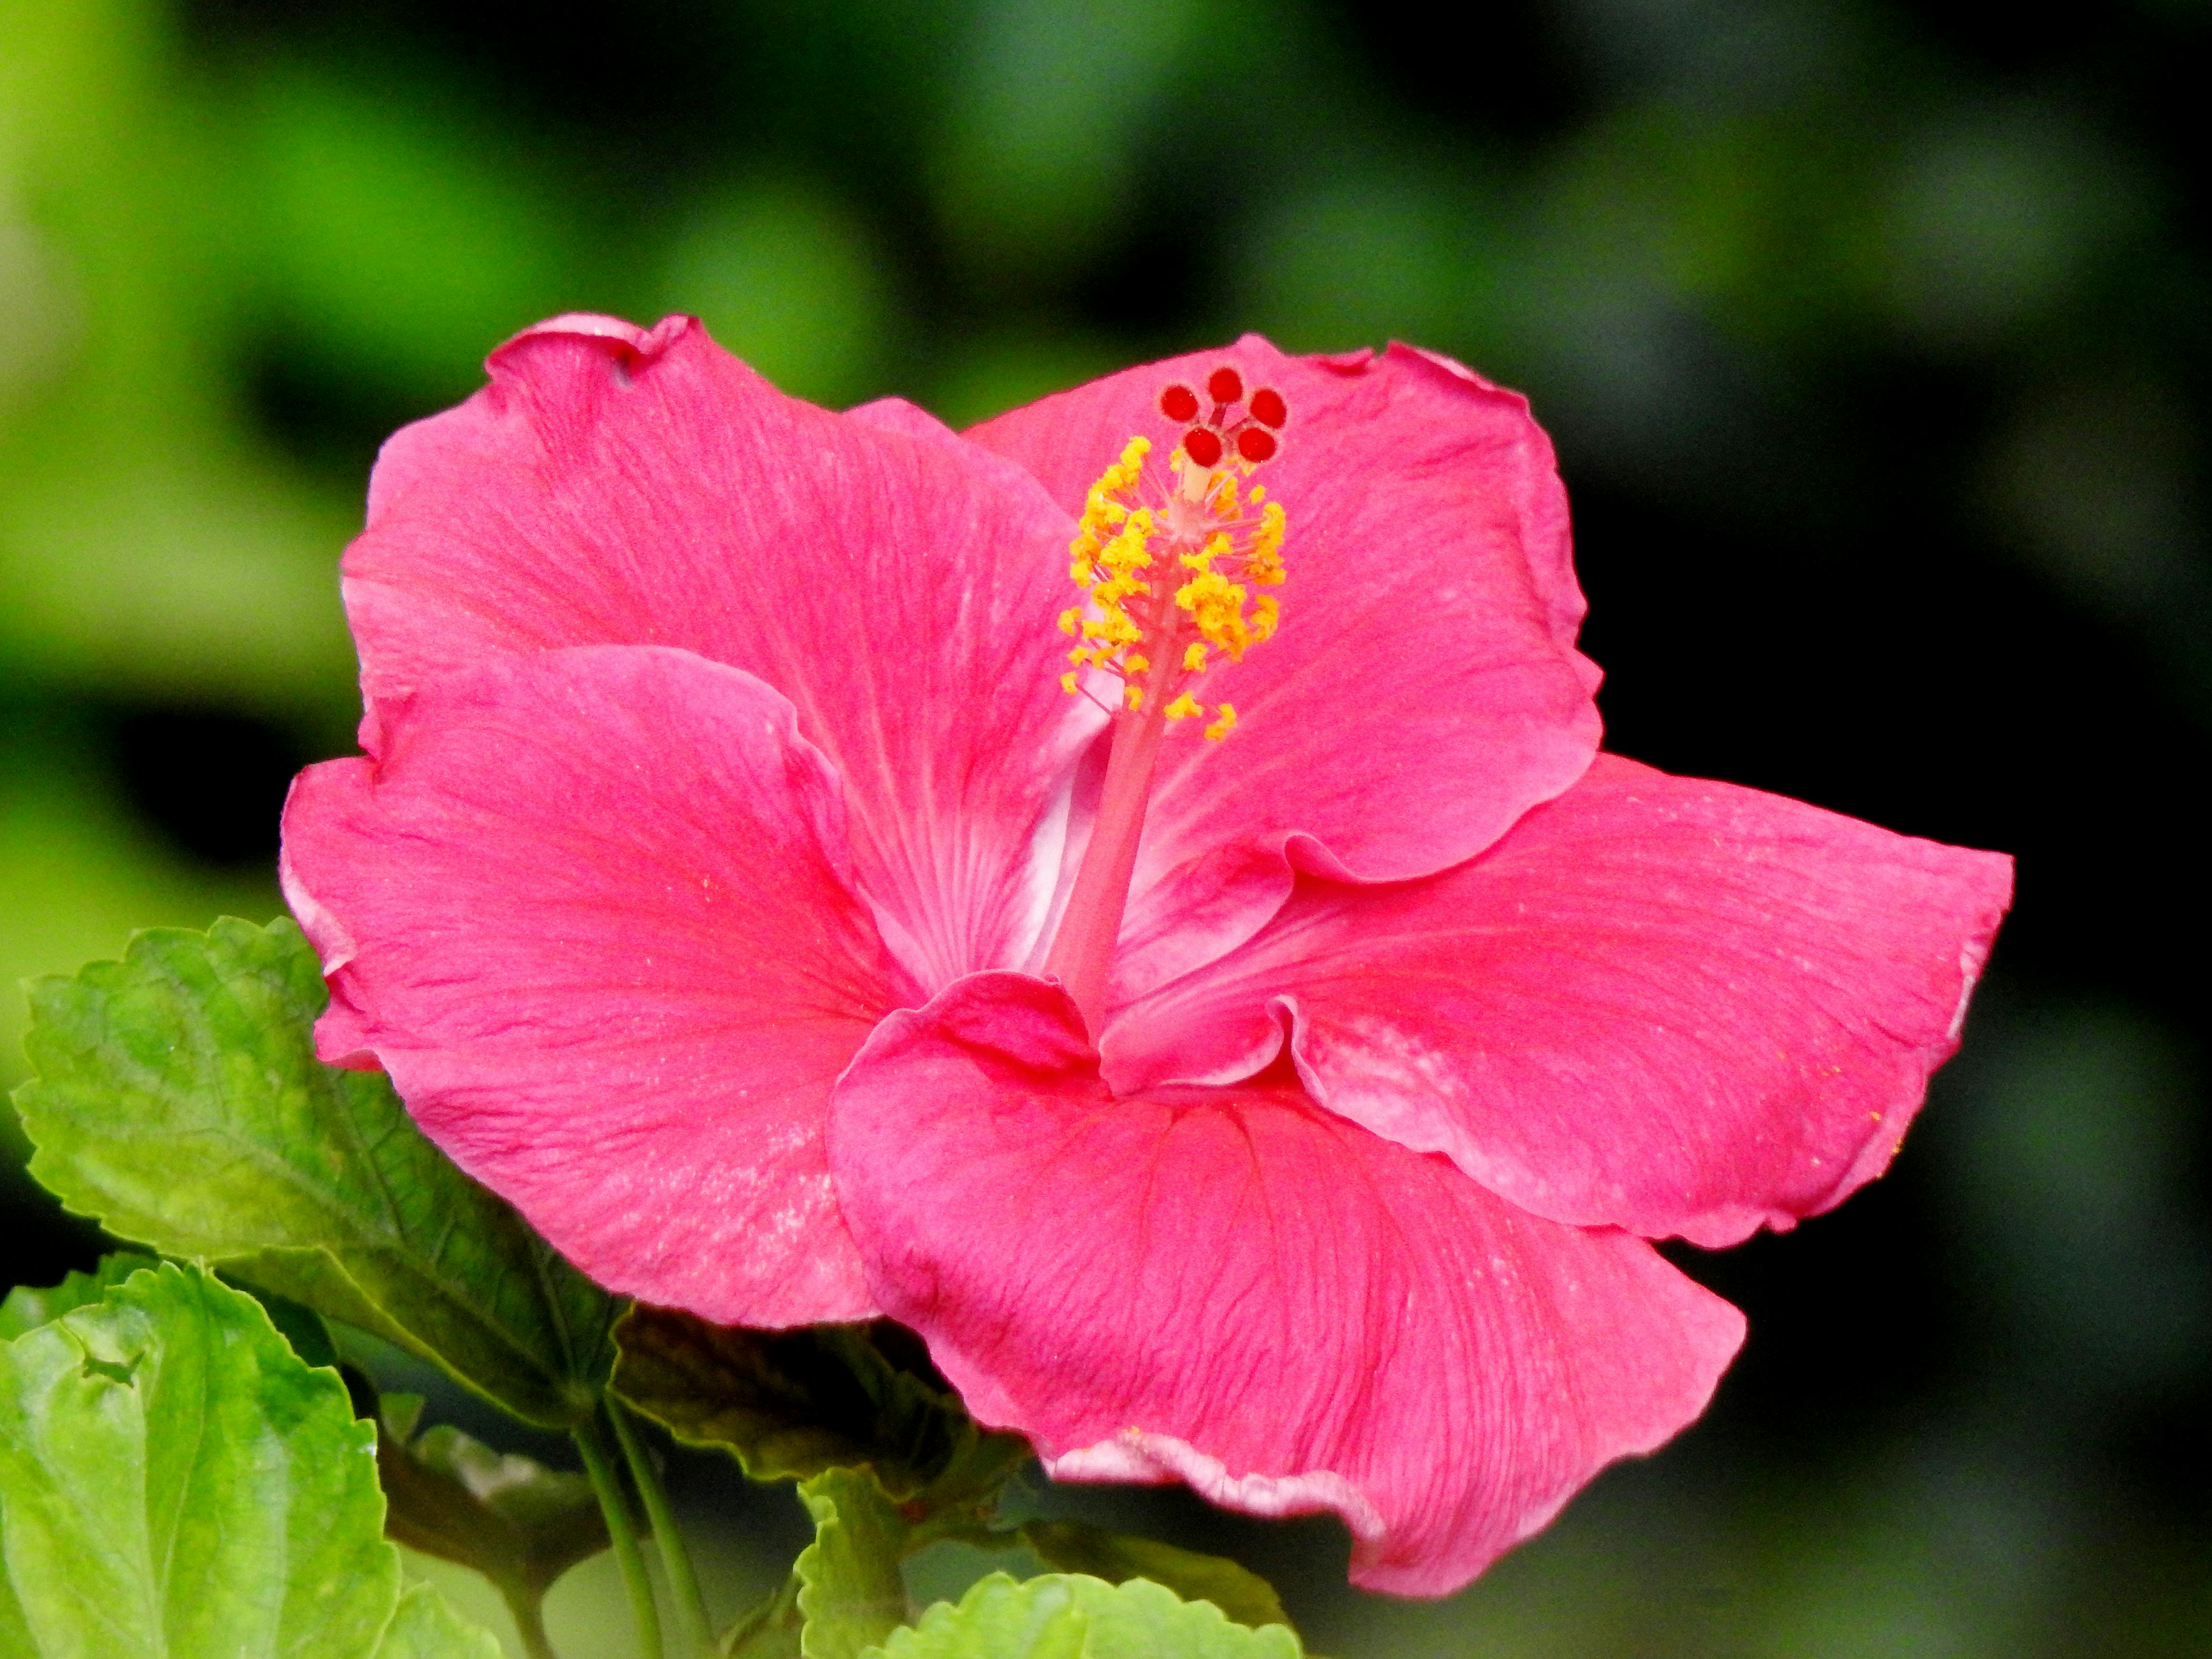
(1874, 338)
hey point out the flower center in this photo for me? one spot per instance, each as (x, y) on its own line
(1167, 562)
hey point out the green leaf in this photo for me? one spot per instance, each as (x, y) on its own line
(518, 1523)
(301, 1326)
(179, 1100)
(17, 1641)
(794, 1404)
(425, 1626)
(27, 1308)
(850, 1593)
(174, 1481)
(1068, 1617)
(1072, 1546)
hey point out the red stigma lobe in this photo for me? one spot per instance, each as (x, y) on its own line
(1202, 446)
(1209, 439)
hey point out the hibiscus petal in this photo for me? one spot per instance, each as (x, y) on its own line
(1671, 1006)
(589, 909)
(1424, 689)
(1234, 1288)
(614, 485)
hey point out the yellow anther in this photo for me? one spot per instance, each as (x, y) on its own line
(1134, 694)
(1184, 707)
(1127, 550)
(1219, 547)
(1070, 618)
(1217, 605)
(1223, 726)
(1267, 540)
(1068, 683)
(1135, 665)
(1194, 658)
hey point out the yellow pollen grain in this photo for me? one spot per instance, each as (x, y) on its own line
(1134, 694)
(1224, 725)
(1193, 659)
(1184, 707)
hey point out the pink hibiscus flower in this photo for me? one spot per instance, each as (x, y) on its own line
(731, 883)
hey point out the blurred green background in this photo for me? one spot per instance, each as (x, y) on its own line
(1874, 338)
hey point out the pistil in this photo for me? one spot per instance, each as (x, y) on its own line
(1158, 636)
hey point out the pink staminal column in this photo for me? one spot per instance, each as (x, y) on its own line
(1083, 950)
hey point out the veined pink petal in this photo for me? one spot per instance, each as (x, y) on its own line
(1424, 690)
(616, 485)
(590, 909)
(1237, 1289)
(1671, 1006)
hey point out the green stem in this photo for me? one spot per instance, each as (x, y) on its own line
(528, 1610)
(693, 1629)
(592, 1445)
